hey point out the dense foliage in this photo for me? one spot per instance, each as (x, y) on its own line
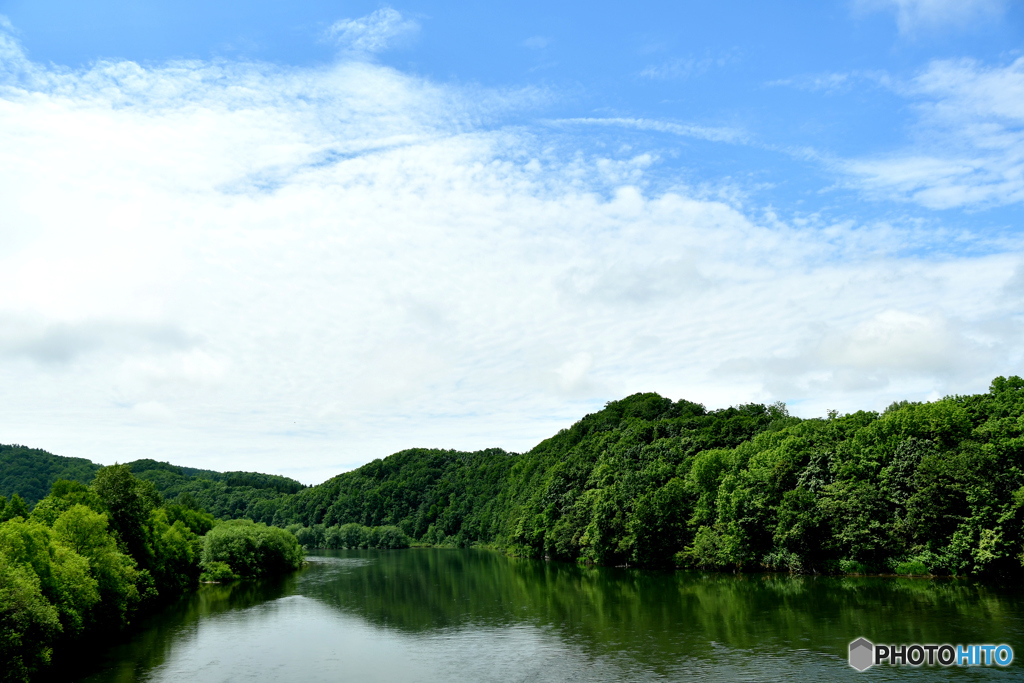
(87, 559)
(225, 495)
(430, 494)
(921, 488)
(30, 472)
(350, 536)
(250, 549)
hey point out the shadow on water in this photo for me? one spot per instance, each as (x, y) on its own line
(602, 623)
(152, 638)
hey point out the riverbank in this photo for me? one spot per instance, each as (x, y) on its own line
(93, 560)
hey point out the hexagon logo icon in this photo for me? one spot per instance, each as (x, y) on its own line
(862, 654)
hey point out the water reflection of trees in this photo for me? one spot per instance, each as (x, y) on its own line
(638, 610)
(658, 619)
(150, 641)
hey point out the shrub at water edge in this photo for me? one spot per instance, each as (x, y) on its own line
(249, 549)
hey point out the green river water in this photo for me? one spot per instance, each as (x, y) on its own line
(475, 615)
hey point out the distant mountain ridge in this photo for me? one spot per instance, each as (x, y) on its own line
(30, 472)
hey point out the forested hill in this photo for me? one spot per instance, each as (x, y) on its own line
(525, 501)
(920, 488)
(30, 472)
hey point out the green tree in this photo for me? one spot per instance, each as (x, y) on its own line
(14, 508)
(252, 549)
(82, 529)
(64, 577)
(29, 624)
(63, 495)
(130, 502)
(176, 550)
(118, 579)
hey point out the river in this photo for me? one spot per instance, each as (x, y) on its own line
(475, 615)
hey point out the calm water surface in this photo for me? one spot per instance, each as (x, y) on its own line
(472, 615)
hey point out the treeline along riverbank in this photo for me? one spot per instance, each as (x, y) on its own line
(922, 488)
(88, 560)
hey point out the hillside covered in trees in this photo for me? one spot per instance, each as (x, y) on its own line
(30, 472)
(920, 488)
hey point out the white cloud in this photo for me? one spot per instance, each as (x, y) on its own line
(373, 33)
(833, 83)
(913, 16)
(572, 374)
(242, 266)
(968, 144)
(902, 342)
(828, 82)
(537, 42)
(713, 133)
(682, 68)
(152, 411)
(1014, 288)
(890, 350)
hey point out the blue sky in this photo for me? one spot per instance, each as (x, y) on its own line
(334, 230)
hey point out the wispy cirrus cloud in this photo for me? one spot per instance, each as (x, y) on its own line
(967, 145)
(835, 82)
(217, 262)
(373, 33)
(965, 138)
(682, 68)
(713, 133)
(914, 16)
